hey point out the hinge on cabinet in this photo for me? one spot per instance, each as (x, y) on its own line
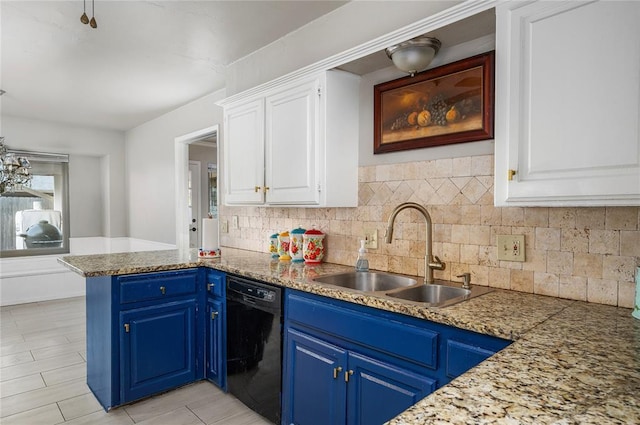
(319, 91)
(319, 187)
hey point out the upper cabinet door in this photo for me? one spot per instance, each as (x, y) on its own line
(567, 103)
(291, 145)
(244, 153)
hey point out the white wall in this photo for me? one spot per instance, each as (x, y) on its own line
(349, 26)
(40, 278)
(150, 151)
(96, 170)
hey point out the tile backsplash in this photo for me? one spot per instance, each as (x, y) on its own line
(580, 253)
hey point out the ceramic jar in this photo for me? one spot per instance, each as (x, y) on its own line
(296, 237)
(313, 246)
(273, 246)
(283, 246)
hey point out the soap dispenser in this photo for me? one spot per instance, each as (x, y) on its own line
(362, 263)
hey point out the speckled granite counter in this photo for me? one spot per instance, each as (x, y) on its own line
(572, 362)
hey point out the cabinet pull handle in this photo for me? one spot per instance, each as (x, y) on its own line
(213, 315)
(510, 174)
(266, 188)
(163, 290)
(126, 327)
(256, 189)
(347, 374)
(336, 371)
(210, 285)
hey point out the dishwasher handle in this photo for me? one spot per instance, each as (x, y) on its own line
(256, 294)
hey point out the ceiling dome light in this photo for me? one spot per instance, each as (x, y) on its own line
(415, 55)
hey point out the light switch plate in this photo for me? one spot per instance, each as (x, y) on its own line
(224, 226)
(371, 238)
(234, 224)
(510, 247)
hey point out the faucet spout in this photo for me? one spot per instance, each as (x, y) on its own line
(431, 262)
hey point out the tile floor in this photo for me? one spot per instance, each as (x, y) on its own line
(43, 374)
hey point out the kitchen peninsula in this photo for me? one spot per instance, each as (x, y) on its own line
(571, 362)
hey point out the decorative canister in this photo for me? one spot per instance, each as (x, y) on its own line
(295, 244)
(636, 308)
(313, 243)
(283, 246)
(273, 245)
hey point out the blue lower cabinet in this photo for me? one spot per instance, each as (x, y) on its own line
(216, 343)
(385, 362)
(145, 333)
(327, 384)
(158, 348)
(314, 391)
(379, 391)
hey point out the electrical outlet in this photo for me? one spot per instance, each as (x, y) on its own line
(510, 247)
(235, 222)
(224, 226)
(371, 238)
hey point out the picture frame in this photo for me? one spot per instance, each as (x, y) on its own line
(452, 103)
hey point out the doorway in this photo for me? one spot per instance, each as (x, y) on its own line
(194, 195)
(197, 147)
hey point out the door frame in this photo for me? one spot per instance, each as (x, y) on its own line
(181, 178)
(196, 199)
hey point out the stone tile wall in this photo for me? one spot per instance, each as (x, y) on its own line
(582, 253)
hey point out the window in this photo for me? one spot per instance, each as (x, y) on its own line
(35, 219)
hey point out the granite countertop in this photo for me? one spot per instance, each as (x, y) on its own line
(571, 362)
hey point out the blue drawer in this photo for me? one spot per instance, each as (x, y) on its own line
(399, 339)
(153, 286)
(215, 283)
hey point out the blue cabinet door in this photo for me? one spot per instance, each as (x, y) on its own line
(216, 343)
(157, 348)
(314, 390)
(379, 391)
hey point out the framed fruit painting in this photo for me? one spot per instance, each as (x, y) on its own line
(449, 104)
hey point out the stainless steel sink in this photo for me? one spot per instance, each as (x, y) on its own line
(367, 281)
(436, 295)
(403, 288)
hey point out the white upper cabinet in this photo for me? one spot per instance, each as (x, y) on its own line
(295, 144)
(244, 131)
(567, 103)
(291, 139)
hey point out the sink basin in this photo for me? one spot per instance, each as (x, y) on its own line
(435, 295)
(367, 281)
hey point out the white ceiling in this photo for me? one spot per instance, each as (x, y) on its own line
(145, 58)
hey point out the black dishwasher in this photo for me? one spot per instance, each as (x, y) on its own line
(254, 345)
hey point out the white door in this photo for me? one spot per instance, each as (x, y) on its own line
(567, 103)
(291, 142)
(193, 204)
(244, 153)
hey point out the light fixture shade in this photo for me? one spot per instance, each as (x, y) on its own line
(415, 55)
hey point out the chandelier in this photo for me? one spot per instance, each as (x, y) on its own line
(14, 170)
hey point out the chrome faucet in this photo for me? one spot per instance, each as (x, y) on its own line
(431, 262)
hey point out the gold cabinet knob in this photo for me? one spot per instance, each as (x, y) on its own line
(336, 371)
